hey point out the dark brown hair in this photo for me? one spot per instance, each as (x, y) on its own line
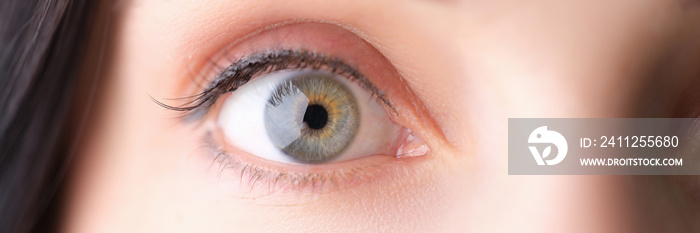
(43, 45)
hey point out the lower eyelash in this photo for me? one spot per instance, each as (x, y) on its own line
(264, 181)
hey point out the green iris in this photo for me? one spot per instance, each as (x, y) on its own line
(311, 117)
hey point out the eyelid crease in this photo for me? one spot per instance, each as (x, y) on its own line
(240, 72)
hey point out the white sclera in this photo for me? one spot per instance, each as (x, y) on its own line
(243, 122)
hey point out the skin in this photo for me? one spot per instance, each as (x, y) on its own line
(462, 67)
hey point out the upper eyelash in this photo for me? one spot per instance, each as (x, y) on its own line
(240, 72)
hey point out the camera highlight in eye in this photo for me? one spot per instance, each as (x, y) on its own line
(311, 117)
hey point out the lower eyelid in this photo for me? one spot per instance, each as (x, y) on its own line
(235, 170)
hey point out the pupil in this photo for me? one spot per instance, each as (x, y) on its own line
(316, 116)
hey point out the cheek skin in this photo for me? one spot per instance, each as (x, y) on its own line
(471, 66)
(554, 69)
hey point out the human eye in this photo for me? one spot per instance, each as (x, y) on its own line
(307, 116)
(296, 112)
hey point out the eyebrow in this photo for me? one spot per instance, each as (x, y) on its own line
(240, 72)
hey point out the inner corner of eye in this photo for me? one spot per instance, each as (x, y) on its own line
(307, 116)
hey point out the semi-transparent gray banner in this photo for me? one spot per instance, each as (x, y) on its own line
(603, 146)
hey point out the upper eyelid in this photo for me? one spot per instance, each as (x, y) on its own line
(240, 72)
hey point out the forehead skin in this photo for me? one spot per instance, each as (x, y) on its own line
(473, 64)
